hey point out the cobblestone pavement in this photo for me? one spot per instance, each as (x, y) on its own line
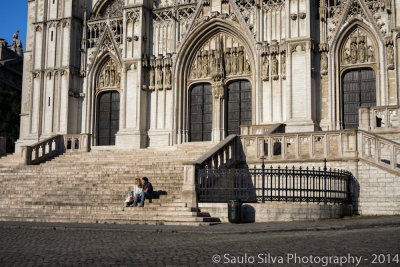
(42, 245)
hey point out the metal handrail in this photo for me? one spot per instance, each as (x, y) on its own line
(275, 184)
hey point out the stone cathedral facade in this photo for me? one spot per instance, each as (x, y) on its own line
(143, 73)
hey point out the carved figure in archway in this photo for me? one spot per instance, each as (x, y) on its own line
(205, 63)
(109, 75)
(212, 62)
(107, 79)
(112, 76)
(199, 65)
(234, 60)
(361, 49)
(248, 67)
(371, 54)
(228, 61)
(241, 60)
(346, 56)
(353, 51)
(101, 80)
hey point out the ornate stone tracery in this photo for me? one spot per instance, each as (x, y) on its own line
(114, 8)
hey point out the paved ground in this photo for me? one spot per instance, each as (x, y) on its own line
(370, 241)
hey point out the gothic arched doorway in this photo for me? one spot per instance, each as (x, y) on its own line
(238, 106)
(201, 108)
(107, 118)
(359, 90)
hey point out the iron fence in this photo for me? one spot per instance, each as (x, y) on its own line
(274, 184)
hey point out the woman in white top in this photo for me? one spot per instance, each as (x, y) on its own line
(137, 189)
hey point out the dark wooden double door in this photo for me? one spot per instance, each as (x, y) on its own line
(237, 109)
(359, 90)
(107, 118)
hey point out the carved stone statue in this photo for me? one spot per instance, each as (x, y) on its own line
(324, 63)
(234, 60)
(241, 60)
(17, 44)
(274, 68)
(390, 55)
(212, 62)
(168, 77)
(152, 78)
(101, 81)
(107, 78)
(346, 56)
(205, 64)
(159, 78)
(228, 61)
(361, 52)
(199, 65)
(265, 68)
(353, 52)
(15, 36)
(248, 67)
(371, 54)
(112, 76)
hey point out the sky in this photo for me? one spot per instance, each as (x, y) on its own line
(13, 16)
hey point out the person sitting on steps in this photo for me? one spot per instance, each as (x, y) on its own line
(137, 189)
(147, 192)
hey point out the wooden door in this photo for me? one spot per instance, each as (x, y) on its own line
(359, 90)
(108, 118)
(201, 113)
(239, 106)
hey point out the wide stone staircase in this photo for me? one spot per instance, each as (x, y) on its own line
(90, 187)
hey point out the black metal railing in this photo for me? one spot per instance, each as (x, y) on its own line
(274, 184)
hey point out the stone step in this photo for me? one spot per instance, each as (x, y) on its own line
(92, 187)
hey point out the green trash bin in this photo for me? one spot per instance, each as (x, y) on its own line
(235, 210)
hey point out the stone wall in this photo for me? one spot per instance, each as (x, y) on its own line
(379, 190)
(278, 211)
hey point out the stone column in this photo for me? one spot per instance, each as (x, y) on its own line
(218, 111)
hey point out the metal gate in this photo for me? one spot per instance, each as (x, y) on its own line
(238, 106)
(108, 118)
(359, 90)
(201, 113)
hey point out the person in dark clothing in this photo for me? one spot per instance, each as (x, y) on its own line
(147, 192)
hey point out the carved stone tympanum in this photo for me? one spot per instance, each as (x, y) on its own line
(109, 75)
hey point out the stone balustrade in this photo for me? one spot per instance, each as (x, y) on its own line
(379, 150)
(53, 146)
(300, 146)
(379, 119)
(311, 147)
